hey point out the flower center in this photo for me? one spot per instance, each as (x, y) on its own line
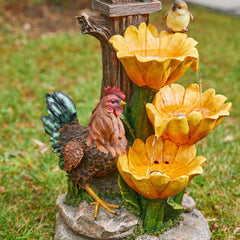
(182, 111)
(157, 53)
(177, 110)
(204, 111)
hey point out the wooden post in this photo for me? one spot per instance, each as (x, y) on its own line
(116, 16)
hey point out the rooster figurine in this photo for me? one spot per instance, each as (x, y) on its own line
(92, 151)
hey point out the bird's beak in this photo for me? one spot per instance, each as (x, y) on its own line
(174, 7)
(122, 103)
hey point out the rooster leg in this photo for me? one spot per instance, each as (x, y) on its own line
(100, 202)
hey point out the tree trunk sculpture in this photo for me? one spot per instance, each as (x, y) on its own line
(116, 16)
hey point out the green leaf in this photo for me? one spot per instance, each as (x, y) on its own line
(129, 132)
(174, 207)
(128, 129)
(130, 197)
(178, 198)
(138, 115)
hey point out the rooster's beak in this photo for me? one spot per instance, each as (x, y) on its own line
(122, 103)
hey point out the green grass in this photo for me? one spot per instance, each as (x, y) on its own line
(72, 63)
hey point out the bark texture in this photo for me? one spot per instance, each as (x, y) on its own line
(103, 27)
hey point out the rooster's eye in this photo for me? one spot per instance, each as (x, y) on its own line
(179, 7)
(113, 101)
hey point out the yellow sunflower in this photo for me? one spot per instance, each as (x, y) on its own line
(155, 59)
(185, 116)
(159, 168)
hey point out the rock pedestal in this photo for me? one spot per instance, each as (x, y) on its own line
(193, 227)
(77, 223)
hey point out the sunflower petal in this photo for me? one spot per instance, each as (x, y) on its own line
(178, 93)
(154, 148)
(160, 126)
(194, 118)
(119, 43)
(131, 66)
(185, 155)
(178, 130)
(131, 36)
(144, 187)
(170, 152)
(158, 101)
(203, 129)
(192, 95)
(151, 112)
(159, 181)
(174, 187)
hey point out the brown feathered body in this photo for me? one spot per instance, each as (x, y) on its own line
(92, 151)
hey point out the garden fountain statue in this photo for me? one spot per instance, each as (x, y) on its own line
(152, 147)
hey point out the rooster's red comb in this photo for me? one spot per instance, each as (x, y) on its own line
(114, 90)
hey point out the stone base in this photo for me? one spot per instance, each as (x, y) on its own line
(63, 232)
(79, 224)
(193, 227)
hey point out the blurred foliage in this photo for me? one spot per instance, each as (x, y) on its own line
(36, 1)
(57, 2)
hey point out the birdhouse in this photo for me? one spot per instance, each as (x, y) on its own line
(119, 8)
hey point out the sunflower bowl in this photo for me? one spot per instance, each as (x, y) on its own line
(153, 58)
(159, 169)
(185, 116)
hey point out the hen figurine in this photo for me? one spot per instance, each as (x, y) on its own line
(92, 151)
(178, 17)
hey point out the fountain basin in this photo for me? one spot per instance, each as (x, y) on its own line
(153, 58)
(185, 116)
(159, 168)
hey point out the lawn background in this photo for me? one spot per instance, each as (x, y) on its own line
(65, 60)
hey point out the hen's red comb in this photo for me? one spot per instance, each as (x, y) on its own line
(114, 90)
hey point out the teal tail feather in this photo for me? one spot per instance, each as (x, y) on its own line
(61, 110)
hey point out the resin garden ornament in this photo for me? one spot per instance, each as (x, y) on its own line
(150, 140)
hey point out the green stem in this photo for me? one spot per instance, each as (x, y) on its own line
(156, 212)
(153, 213)
(138, 116)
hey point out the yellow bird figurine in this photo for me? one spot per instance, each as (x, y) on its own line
(178, 17)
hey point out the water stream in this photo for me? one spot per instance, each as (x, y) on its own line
(146, 42)
(200, 84)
